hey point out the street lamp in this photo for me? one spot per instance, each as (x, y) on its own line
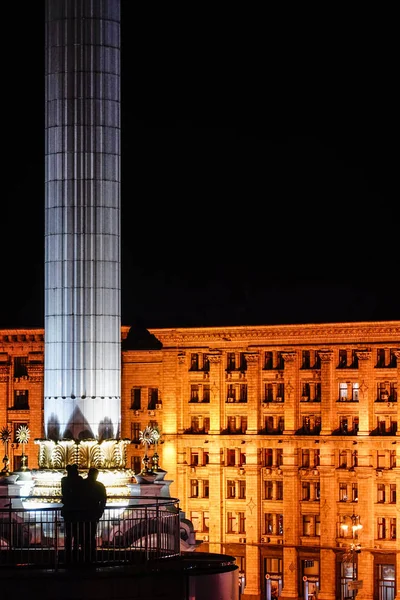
(355, 548)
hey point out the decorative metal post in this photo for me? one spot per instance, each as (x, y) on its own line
(355, 548)
(5, 435)
(156, 438)
(146, 437)
(23, 434)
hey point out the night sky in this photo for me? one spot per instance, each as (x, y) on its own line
(258, 173)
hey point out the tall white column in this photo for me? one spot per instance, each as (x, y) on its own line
(82, 377)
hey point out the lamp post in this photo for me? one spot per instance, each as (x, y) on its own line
(355, 548)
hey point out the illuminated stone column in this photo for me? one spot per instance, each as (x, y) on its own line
(216, 391)
(366, 393)
(291, 393)
(82, 219)
(329, 393)
(253, 393)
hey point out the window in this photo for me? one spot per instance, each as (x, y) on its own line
(242, 522)
(269, 522)
(194, 488)
(242, 362)
(305, 362)
(343, 491)
(206, 458)
(231, 361)
(231, 424)
(230, 522)
(392, 526)
(268, 457)
(305, 490)
(279, 490)
(279, 458)
(342, 358)
(268, 392)
(206, 393)
(381, 528)
(194, 424)
(206, 488)
(230, 457)
(194, 362)
(242, 489)
(153, 398)
(243, 393)
(135, 431)
(206, 363)
(354, 492)
(343, 459)
(311, 424)
(230, 489)
(206, 424)
(21, 399)
(20, 366)
(305, 392)
(231, 397)
(380, 459)
(196, 518)
(380, 362)
(305, 457)
(307, 530)
(194, 458)
(135, 398)
(392, 459)
(317, 490)
(268, 487)
(342, 392)
(280, 362)
(316, 458)
(243, 424)
(317, 525)
(355, 392)
(268, 361)
(381, 492)
(194, 393)
(392, 492)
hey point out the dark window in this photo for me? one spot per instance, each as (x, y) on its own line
(20, 366)
(268, 361)
(231, 361)
(194, 362)
(153, 398)
(305, 363)
(21, 399)
(135, 398)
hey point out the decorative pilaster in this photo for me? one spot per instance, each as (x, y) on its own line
(253, 392)
(291, 393)
(216, 401)
(366, 398)
(329, 394)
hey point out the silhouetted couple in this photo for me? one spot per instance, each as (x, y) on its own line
(84, 501)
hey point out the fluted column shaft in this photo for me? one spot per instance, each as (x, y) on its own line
(82, 219)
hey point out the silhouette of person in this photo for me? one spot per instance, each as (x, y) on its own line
(71, 492)
(95, 500)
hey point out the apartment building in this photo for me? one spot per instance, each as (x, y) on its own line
(281, 442)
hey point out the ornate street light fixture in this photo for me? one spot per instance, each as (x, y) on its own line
(355, 548)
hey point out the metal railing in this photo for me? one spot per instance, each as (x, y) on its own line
(134, 530)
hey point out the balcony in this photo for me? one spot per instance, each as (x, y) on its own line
(127, 534)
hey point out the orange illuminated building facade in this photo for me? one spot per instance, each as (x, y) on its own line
(280, 442)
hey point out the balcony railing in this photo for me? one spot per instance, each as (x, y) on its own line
(133, 531)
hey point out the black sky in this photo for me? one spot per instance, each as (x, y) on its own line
(259, 172)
